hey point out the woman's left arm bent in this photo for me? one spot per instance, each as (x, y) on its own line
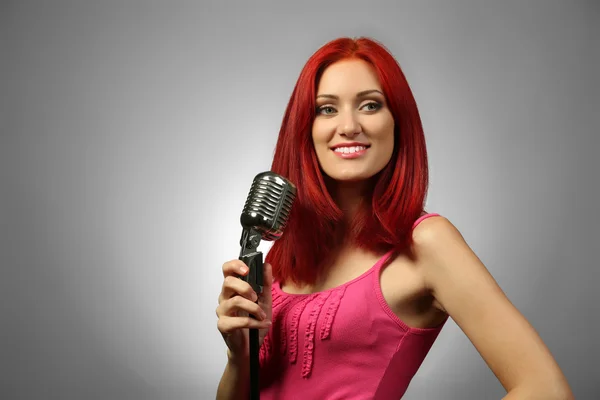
(465, 290)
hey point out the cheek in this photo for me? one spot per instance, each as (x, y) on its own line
(320, 134)
(381, 129)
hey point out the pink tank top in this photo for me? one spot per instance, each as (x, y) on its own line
(342, 343)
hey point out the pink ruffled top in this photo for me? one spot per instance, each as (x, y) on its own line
(342, 343)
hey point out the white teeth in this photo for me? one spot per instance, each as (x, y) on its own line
(350, 150)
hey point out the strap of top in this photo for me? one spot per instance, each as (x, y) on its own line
(381, 262)
(425, 216)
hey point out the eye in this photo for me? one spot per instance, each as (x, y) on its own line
(326, 110)
(372, 106)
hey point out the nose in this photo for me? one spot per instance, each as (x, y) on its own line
(349, 126)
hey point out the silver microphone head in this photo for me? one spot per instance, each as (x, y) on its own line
(268, 205)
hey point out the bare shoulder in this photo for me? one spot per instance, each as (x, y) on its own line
(438, 244)
(429, 236)
(442, 252)
(432, 229)
(463, 287)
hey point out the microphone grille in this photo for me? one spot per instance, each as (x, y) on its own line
(268, 205)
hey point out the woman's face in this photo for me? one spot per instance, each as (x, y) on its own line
(353, 130)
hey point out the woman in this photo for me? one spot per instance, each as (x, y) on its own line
(363, 279)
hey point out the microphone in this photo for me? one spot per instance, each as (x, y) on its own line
(268, 204)
(264, 217)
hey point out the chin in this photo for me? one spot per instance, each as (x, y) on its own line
(355, 172)
(351, 177)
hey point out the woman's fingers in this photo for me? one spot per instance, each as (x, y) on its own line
(234, 267)
(227, 324)
(233, 286)
(231, 307)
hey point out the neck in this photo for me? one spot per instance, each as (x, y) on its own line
(348, 196)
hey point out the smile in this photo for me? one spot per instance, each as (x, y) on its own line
(350, 151)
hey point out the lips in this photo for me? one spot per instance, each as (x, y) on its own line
(350, 151)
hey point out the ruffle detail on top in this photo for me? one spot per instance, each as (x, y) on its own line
(309, 336)
(334, 304)
(297, 312)
(279, 301)
(287, 313)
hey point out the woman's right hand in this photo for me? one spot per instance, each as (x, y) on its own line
(237, 302)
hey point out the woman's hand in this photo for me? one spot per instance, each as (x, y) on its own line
(238, 302)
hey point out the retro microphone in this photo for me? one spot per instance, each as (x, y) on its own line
(264, 216)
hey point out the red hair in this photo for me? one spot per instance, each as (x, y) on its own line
(316, 226)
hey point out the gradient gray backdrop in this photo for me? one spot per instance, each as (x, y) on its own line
(131, 132)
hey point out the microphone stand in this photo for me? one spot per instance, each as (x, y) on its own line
(254, 260)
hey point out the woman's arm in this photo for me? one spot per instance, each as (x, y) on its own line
(234, 382)
(467, 292)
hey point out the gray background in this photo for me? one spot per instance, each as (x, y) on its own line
(131, 132)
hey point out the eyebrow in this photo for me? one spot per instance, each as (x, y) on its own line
(359, 94)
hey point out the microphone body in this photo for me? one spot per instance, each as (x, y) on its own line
(264, 217)
(268, 205)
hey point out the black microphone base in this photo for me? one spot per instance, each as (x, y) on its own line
(254, 260)
(254, 365)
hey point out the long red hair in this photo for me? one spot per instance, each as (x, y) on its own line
(316, 226)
